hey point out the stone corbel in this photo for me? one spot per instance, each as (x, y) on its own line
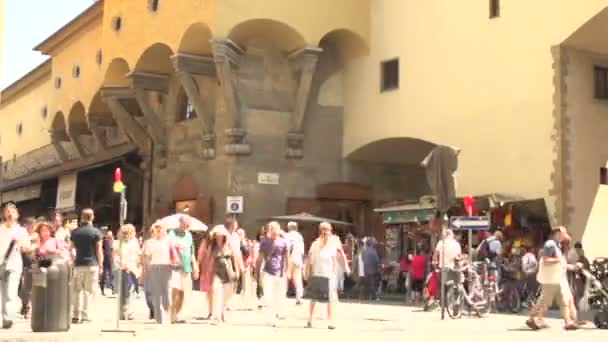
(304, 62)
(142, 83)
(226, 55)
(74, 137)
(56, 142)
(186, 66)
(99, 134)
(137, 134)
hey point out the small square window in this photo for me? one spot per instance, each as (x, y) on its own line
(603, 176)
(19, 129)
(99, 57)
(600, 78)
(76, 71)
(494, 9)
(58, 82)
(390, 75)
(44, 112)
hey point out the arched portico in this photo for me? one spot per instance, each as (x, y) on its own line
(398, 150)
(78, 130)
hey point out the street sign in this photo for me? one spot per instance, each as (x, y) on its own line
(470, 223)
(234, 204)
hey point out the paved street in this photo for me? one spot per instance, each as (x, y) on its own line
(357, 322)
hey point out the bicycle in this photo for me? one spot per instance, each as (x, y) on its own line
(476, 299)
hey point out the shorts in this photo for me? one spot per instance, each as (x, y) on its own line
(417, 285)
(551, 293)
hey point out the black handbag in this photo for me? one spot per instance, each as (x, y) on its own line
(3, 271)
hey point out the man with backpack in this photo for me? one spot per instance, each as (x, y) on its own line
(491, 249)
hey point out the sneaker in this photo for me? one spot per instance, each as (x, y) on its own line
(308, 325)
(331, 327)
(7, 325)
(75, 320)
(298, 302)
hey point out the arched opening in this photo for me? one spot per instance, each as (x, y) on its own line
(347, 45)
(196, 40)
(402, 150)
(155, 59)
(280, 35)
(102, 123)
(77, 120)
(59, 127)
(116, 74)
(187, 198)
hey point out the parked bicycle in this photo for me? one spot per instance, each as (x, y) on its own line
(457, 296)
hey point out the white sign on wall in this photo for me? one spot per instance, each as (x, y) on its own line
(268, 178)
(234, 204)
(66, 191)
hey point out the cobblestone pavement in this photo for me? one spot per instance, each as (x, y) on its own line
(355, 322)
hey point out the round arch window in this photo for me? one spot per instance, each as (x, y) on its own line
(44, 112)
(58, 82)
(19, 129)
(99, 57)
(153, 5)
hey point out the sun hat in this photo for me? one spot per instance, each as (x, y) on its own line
(219, 229)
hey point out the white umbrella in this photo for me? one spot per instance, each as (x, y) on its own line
(172, 222)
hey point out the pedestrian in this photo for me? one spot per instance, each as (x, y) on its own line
(14, 240)
(25, 292)
(126, 259)
(274, 257)
(107, 275)
(88, 263)
(232, 225)
(529, 266)
(296, 259)
(418, 266)
(321, 272)
(226, 268)
(158, 259)
(551, 276)
(371, 269)
(186, 271)
(135, 245)
(48, 246)
(206, 272)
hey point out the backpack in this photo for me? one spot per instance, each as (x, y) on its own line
(483, 251)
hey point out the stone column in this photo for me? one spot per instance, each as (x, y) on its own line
(186, 67)
(303, 62)
(227, 55)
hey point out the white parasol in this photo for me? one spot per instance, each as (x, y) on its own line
(172, 222)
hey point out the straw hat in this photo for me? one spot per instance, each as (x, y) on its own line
(219, 229)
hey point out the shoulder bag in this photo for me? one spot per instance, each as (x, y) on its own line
(3, 271)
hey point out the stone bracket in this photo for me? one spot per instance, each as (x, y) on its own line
(226, 55)
(74, 138)
(127, 123)
(98, 134)
(303, 61)
(193, 64)
(149, 81)
(56, 142)
(153, 121)
(186, 66)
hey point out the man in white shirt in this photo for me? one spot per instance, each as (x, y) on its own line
(452, 251)
(13, 241)
(296, 258)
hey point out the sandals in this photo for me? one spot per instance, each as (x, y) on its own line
(531, 323)
(571, 326)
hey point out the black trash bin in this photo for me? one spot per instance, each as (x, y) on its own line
(51, 295)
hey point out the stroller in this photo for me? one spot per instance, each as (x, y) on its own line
(595, 299)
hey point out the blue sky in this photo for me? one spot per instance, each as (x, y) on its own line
(29, 22)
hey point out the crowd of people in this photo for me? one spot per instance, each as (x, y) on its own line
(225, 263)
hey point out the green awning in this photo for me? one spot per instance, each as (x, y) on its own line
(408, 216)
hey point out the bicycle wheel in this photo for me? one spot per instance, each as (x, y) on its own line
(454, 303)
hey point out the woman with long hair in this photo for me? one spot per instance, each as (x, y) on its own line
(206, 272)
(126, 257)
(225, 273)
(158, 259)
(321, 269)
(48, 246)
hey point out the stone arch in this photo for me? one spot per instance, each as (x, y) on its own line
(59, 127)
(279, 34)
(155, 59)
(396, 150)
(116, 73)
(196, 40)
(346, 44)
(77, 120)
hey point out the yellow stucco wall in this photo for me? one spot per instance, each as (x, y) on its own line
(27, 110)
(484, 85)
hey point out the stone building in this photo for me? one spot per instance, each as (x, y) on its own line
(319, 106)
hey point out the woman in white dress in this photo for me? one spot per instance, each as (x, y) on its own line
(321, 269)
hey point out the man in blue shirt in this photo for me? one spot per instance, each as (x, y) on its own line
(371, 269)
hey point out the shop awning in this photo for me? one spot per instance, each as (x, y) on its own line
(25, 193)
(407, 213)
(98, 159)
